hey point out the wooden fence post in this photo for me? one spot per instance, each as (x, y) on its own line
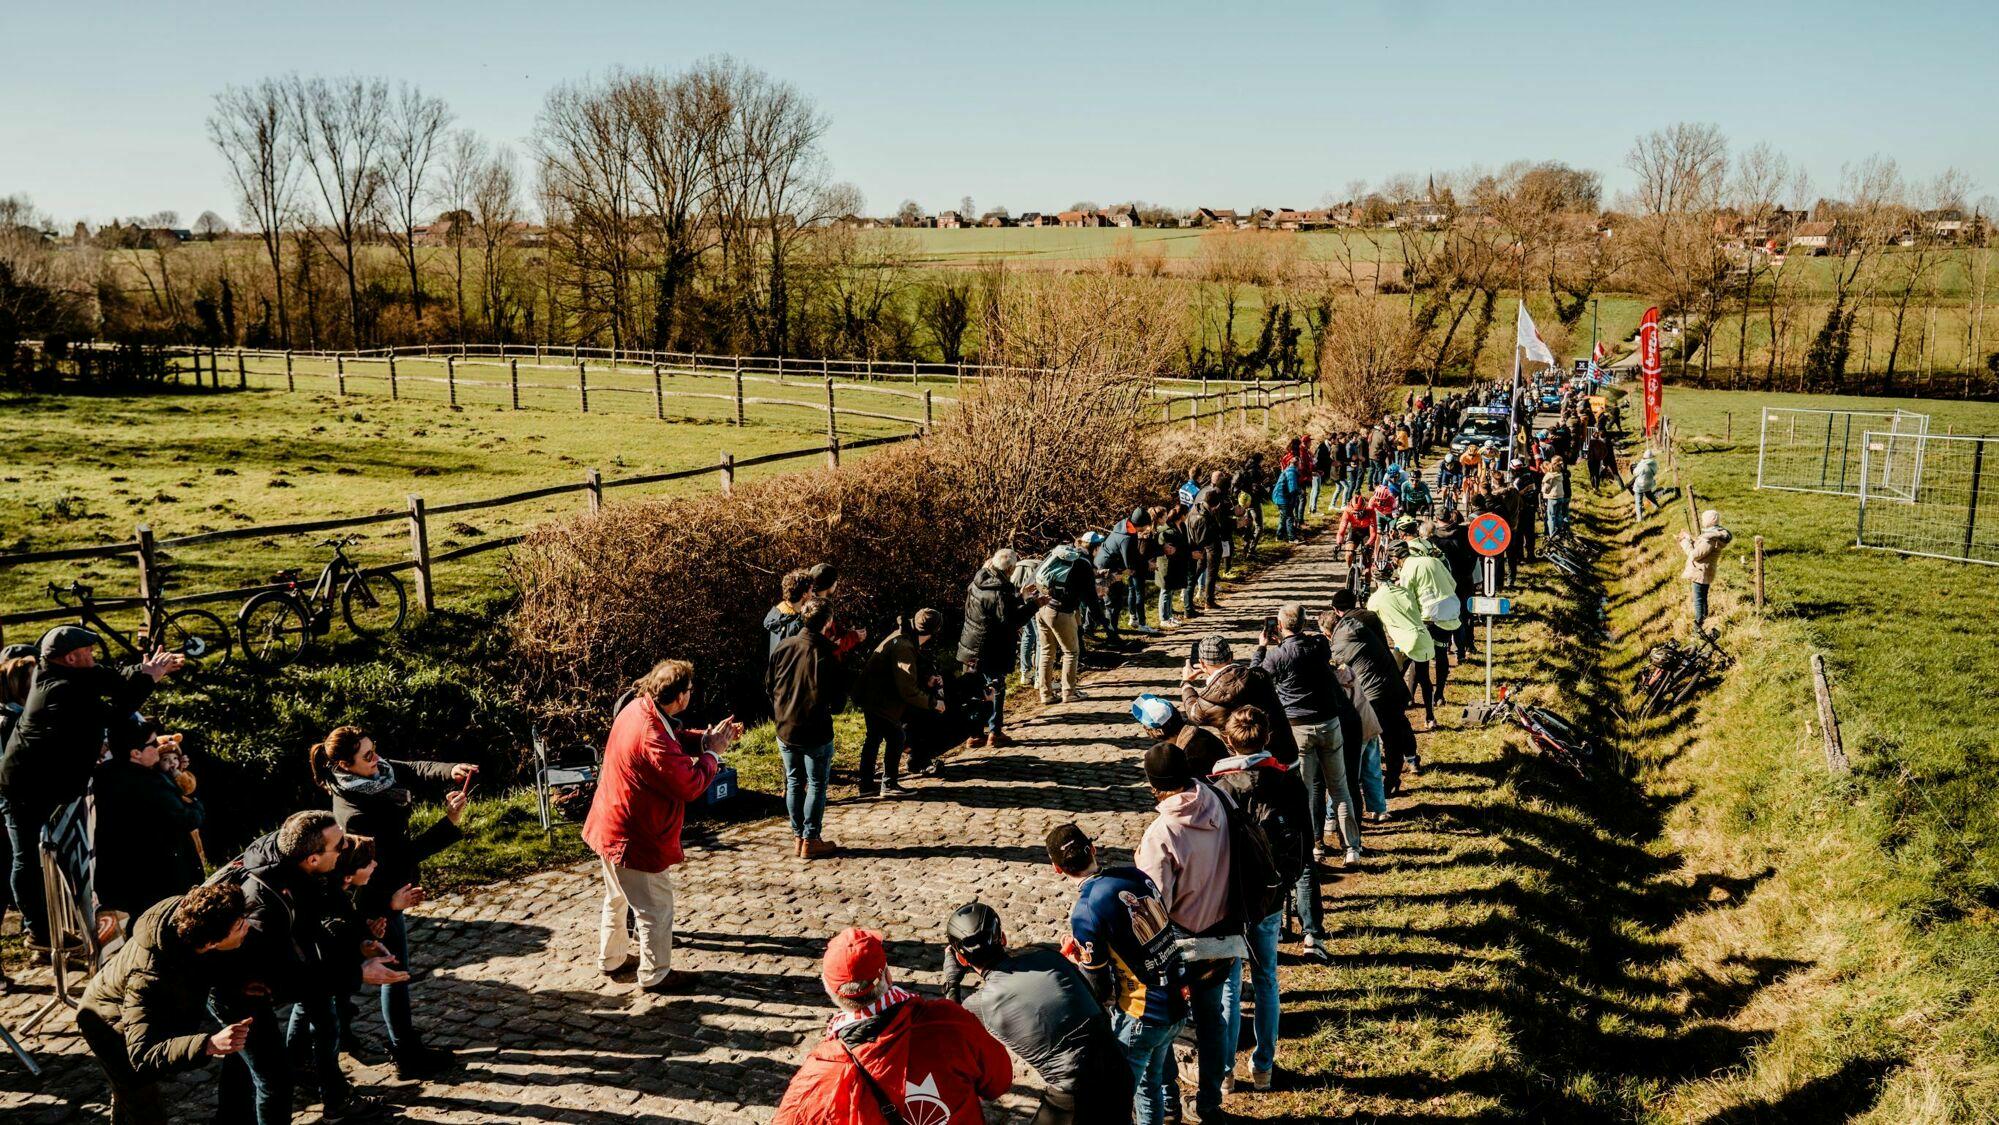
(340, 374)
(214, 371)
(658, 395)
(739, 392)
(290, 384)
(148, 573)
(514, 378)
(583, 386)
(394, 391)
(832, 419)
(832, 451)
(451, 378)
(1759, 574)
(1728, 425)
(242, 378)
(780, 366)
(728, 469)
(1835, 750)
(593, 488)
(420, 553)
(929, 414)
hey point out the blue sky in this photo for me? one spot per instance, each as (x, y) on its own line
(1035, 105)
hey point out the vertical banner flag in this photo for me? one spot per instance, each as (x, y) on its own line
(1648, 360)
(1529, 338)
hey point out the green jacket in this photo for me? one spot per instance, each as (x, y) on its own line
(154, 990)
(1429, 577)
(1402, 619)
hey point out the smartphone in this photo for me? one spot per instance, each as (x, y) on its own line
(1194, 653)
(1270, 627)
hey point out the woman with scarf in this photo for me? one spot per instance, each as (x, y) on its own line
(372, 797)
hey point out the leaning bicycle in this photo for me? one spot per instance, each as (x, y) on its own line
(196, 635)
(278, 625)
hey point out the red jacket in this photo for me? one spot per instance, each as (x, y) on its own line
(931, 1057)
(651, 770)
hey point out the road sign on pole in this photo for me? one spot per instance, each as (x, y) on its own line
(1490, 591)
(1489, 534)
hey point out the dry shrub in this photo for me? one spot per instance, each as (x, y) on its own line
(1022, 462)
(1363, 354)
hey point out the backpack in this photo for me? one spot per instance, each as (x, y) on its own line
(1290, 838)
(1057, 567)
(1256, 885)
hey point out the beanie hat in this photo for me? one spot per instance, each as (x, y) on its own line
(1166, 766)
(1152, 712)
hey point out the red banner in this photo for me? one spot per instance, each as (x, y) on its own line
(1648, 360)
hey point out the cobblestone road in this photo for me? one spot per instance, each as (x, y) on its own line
(509, 977)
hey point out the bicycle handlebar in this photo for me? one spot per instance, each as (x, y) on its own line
(340, 542)
(75, 590)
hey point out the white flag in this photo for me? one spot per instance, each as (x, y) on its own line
(1528, 338)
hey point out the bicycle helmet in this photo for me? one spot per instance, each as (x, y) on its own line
(974, 930)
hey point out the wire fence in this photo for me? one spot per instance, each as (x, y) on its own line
(1934, 495)
(1804, 450)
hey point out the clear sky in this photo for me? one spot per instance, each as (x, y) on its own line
(1034, 105)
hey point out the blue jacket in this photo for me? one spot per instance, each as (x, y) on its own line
(1286, 486)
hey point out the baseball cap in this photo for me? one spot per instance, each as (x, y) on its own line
(15, 652)
(1068, 847)
(65, 639)
(854, 956)
(1166, 766)
(1215, 649)
(1152, 712)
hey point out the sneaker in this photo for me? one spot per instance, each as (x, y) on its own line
(1353, 856)
(1045, 699)
(353, 1107)
(1145, 629)
(1073, 695)
(893, 788)
(1169, 623)
(1315, 948)
(1318, 851)
(423, 1062)
(674, 983)
(1260, 1079)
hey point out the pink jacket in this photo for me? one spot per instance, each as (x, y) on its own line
(1185, 853)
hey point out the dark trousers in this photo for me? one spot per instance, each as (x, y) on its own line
(24, 875)
(889, 738)
(1211, 572)
(134, 1100)
(256, 1083)
(1398, 743)
(314, 1028)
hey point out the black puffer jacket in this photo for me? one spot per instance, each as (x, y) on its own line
(61, 732)
(154, 990)
(144, 850)
(1359, 643)
(1239, 685)
(385, 817)
(994, 613)
(284, 909)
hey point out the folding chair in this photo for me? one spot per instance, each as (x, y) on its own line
(548, 778)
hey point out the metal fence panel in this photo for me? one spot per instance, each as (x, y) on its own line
(1930, 494)
(1802, 450)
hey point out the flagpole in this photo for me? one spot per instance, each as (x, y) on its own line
(1513, 408)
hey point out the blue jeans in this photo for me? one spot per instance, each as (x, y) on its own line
(317, 1017)
(1700, 602)
(1263, 979)
(1372, 786)
(1558, 516)
(396, 997)
(1214, 1035)
(1148, 1047)
(1313, 501)
(256, 1082)
(1284, 528)
(24, 873)
(1027, 653)
(996, 709)
(805, 771)
(1134, 592)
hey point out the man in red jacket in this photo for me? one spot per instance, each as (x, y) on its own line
(652, 767)
(931, 1060)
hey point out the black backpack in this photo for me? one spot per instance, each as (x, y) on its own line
(1256, 880)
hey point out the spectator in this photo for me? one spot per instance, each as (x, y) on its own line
(1602, 459)
(1644, 484)
(1210, 524)
(825, 582)
(890, 1049)
(373, 796)
(1226, 684)
(1162, 722)
(17, 678)
(1322, 468)
(57, 742)
(994, 613)
(282, 876)
(1703, 553)
(1361, 643)
(1326, 730)
(1121, 938)
(1555, 495)
(145, 1015)
(1284, 496)
(895, 684)
(144, 848)
(652, 767)
(1273, 797)
(1372, 788)
(781, 622)
(1038, 1004)
(1069, 581)
(807, 687)
(1453, 542)
(1024, 576)
(1121, 560)
(1185, 853)
(1428, 578)
(335, 940)
(1173, 566)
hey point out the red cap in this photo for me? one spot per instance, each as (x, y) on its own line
(854, 956)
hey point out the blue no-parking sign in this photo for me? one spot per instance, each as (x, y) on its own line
(1490, 534)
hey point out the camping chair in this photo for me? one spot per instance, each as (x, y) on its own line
(66, 862)
(548, 778)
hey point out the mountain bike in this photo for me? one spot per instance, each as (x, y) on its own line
(277, 626)
(195, 634)
(1674, 671)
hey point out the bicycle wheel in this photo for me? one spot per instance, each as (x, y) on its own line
(274, 629)
(373, 603)
(196, 634)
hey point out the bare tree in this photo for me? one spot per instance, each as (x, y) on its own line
(343, 128)
(211, 226)
(1681, 172)
(254, 130)
(496, 208)
(465, 159)
(675, 123)
(413, 128)
(1363, 354)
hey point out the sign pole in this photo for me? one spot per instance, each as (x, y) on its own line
(1489, 592)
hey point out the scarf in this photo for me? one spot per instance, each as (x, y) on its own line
(890, 997)
(384, 782)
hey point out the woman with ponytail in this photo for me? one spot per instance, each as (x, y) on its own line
(372, 797)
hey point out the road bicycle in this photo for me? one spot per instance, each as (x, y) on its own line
(278, 625)
(1674, 671)
(1550, 733)
(196, 635)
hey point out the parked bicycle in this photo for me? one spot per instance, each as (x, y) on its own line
(1674, 671)
(195, 634)
(277, 626)
(1550, 733)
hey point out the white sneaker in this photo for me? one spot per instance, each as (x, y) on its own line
(1353, 855)
(1146, 629)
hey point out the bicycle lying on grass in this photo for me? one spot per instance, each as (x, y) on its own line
(1674, 671)
(1549, 733)
(1570, 555)
(276, 626)
(195, 634)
